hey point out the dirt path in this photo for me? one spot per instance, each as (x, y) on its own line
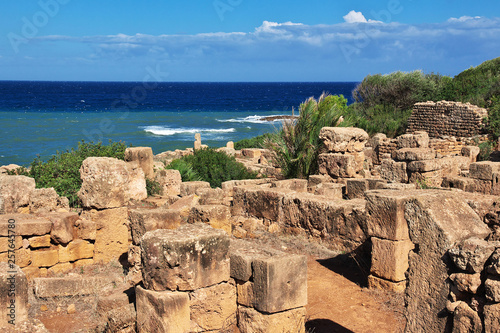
(337, 304)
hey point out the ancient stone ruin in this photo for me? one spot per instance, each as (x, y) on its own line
(424, 212)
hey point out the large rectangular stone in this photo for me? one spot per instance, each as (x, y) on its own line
(484, 170)
(393, 171)
(291, 321)
(259, 202)
(190, 257)
(24, 225)
(243, 253)
(375, 282)
(217, 216)
(13, 296)
(356, 188)
(190, 188)
(297, 185)
(390, 258)
(385, 209)
(340, 165)
(76, 250)
(71, 286)
(44, 258)
(144, 220)
(343, 139)
(414, 154)
(164, 311)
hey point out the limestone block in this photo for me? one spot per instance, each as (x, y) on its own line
(12, 243)
(211, 196)
(230, 145)
(315, 180)
(253, 321)
(466, 320)
(13, 296)
(297, 185)
(170, 181)
(213, 308)
(385, 209)
(396, 186)
(164, 311)
(39, 241)
(22, 257)
(390, 258)
(280, 283)
(144, 220)
(24, 225)
(253, 153)
(471, 151)
(356, 188)
(15, 192)
(43, 200)
(122, 319)
(60, 268)
(62, 226)
(110, 183)
(332, 191)
(492, 318)
(85, 229)
(190, 257)
(343, 139)
(112, 235)
(242, 254)
(375, 282)
(72, 286)
(414, 154)
(484, 170)
(338, 165)
(245, 293)
(76, 250)
(258, 202)
(190, 188)
(228, 186)
(492, 288)
(415, 140)
(394, 172)
(144, 156)
(114, 300)
(44, 258)
(471, 254)
(468, 184)
(217, 216)
(466, 282)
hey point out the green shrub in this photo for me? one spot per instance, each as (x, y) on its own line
(297, 145)
(255, 142)
(152, 187)
(494, 118)
(214, 167)
(185, 169)
(62, 170)
(485, 149)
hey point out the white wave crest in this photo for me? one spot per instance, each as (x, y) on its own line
(251, 119)
(165, 131)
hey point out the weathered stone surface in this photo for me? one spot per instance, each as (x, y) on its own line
(122, 319)
(76, 250)
(43, 200)
(472, 152)
(243, 253)
(144, 156)
(315, 180)
(23, 257)
(471, 254)
(185, 203)
(466, 320)
(414, 154)
(280, 283)
(114, 300)
(39, 241)
(110, 183)
(436, 220)
(24, 225)
(356, 188)
(338, 165)
(72, 286)
(253, 321)
(494, 266)
(466, 282)
(190, 257)
(7, 243)
(217, 216)
(85, 229)
(491, 318)
(492, 288)
(415, 140)
(62, 226)
(258, 202)
(467, 184)
(60, 268)
(386, 209)
(13, 296)
(229, 185)
(213, 308)
(484, 170)
(164, 311)
(15, 192)
(245, 293)
(332, 191)
(211, 196)
(393, 171)
(297, 185)
(170, 181)
(375, 282)
(451, 166)
(144, 220)
(112, 234)
(396, 186)
(44, 258)
(343, 139)
(31, 325)
(189, 188)
(390, 258)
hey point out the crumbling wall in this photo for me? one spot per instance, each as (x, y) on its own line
(447, 119)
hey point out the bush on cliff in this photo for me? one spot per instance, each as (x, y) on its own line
(213, 166)
(185, 169)
(255, 142)
(62, 170)
(297, 145)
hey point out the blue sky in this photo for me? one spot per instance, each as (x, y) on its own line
(242, 40)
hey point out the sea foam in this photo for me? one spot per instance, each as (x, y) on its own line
(250, 119)
(165, 131)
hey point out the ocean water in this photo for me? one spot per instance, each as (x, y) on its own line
(40, 118)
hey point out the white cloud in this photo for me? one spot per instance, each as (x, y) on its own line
(463, 18)
(274, 27)
(357, 17)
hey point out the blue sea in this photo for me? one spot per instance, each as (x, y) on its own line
(40, 118)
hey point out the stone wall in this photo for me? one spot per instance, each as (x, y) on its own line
(447, 119)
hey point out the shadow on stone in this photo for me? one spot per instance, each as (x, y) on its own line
(325, 326)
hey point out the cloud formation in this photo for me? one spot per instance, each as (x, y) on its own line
(357, 17)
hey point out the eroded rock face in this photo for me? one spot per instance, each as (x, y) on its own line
(191, 257)
(15, 192)
(251, 321)
(466, 320)
(170, 181)
(43, 200)
(12, 278)
(110, 183)
(343, 139)
(144, 156)
(471, 255)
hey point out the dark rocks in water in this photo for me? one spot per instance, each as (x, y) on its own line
(273, 118)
